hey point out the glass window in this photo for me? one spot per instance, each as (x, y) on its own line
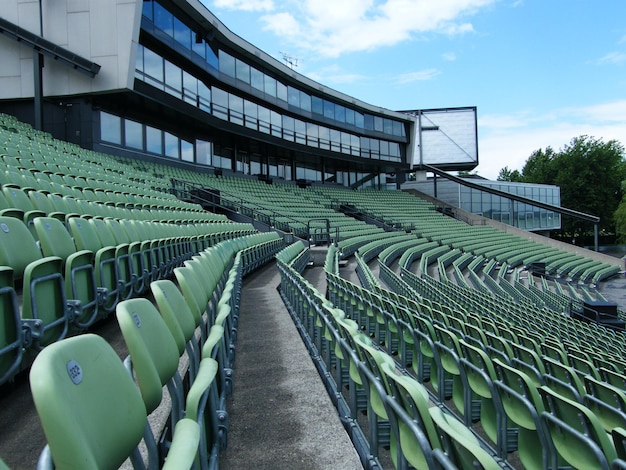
(256, 165)
(163, 19)
(317, 105)
(186, 150)
(220, 103)
(281, 91)
(345, 142)
(256, 79)
(335, 140)
(350, 116)
(276, 120)
(394, 151)
(235, 104)
(398, 128)
(388, 126)
(198, 45)
(139, 61)
(243, 71)
(264, 120)
(369, 122)
(211, 56)
(324, 138)
(146, 10)
(203, 152)
(378, 124)
(204, 97)
(384, 149)
(182, 34)
(110, 128)
(269, 85)
(365, 147)
(300, 132)
(305, 102)
(154, 140)
(153, 68)
(251, 113)
(340, 113)
(375, 149)
(173, 79)
(312, 134)
(190, 88)
(293, 95)
(329, 109)
(171, 146)
(288, 128)
(133, 134)
(359, 120)
(227, 64)
(355, 145)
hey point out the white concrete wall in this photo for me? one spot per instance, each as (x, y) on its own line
(103, 31)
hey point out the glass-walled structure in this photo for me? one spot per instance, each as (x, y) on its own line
(174, 84)
(501, 209)
(277, 126)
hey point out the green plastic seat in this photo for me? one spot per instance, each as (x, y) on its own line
(577, 434)
(479, 375)
(607, 402)
(80, 277)
(154, 360)
(460, 444)
(523, 406)
(106, 266)
(194, 295)
(91, 411)
(619, 440)
(563, 379)
(11, 334)
(179, 320)
(44, 301)
(413, 398)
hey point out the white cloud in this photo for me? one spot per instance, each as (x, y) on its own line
(420, 75)
(331, 28)
(613, 58)
(510, 140)
(245, 5)
(449, 56)
(282, 24)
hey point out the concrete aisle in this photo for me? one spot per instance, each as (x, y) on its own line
(281, 416)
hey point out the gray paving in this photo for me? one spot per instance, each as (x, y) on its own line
(281, 416)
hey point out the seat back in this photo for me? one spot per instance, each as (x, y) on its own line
(152, 348)
(17, 246)
(568, 421)
(174, 310)
(11, 334)
(90, 409)
(460, 444)
(54, 239)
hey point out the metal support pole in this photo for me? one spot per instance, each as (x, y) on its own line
(38, 90)
(435, 184)
(38, 79)
(595, 237)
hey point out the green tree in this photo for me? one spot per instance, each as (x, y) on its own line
(590, 174)
(506, 174)
(540, 167)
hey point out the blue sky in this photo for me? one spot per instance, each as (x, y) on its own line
(540, 72)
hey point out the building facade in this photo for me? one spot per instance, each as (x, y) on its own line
(174, 83)
(496, 207)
